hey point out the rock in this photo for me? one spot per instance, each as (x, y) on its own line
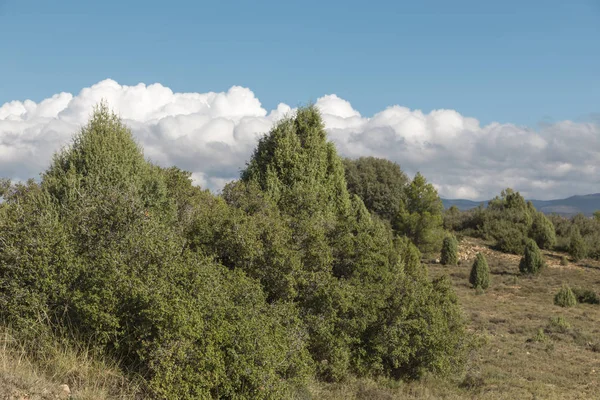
(64, 391)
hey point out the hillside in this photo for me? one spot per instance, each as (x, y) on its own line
(511, 360)
(570, 206)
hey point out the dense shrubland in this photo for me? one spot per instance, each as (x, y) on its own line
(284, 278)
(510, 223)
(412, 208)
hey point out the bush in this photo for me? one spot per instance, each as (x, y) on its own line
(532, 261)
(480, 274)
(542, 231)
(586, 296)
(564, 261)
(577, 247)
(558, 324)
(449, 251)
(286, 277)
(565, 297)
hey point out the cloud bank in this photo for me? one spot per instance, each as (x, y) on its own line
(213, 135)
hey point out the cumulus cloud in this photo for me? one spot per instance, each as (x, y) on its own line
(213, 135)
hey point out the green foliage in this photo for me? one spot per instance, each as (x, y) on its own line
(558, 324)
(532, 261)
(284, 277)
(564, 261)
(350, 266)
(420, 215)
(449, 254)
(586, 296)
(508, 221)
(452, 219)
(565, 297)
(577, 247)
(380, 184)
(542, 231)
(480, 274)
(589, 229)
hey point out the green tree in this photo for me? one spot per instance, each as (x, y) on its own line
(577, 247)
(542, 231)
(98, 248)
(379, 183)
(420, 215)
(449, 254)
(352, 268)
(532, 261)
(480, 274)
(508, 221)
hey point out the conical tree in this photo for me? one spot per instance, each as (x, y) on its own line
(532, 261)
(480, 274)
(577, 247)
(542, 231)
(449, 254)
(355, 277)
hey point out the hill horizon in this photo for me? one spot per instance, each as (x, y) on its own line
(586, 204)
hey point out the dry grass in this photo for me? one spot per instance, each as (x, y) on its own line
(527, 352)
(25, 375)
(516, 359)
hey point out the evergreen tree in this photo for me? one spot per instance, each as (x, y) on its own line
(449, 254)
(420, 215)
(352, 269)
(480, 274)
(542, 231)
(379, 183)
(577, 247)
(532, 261)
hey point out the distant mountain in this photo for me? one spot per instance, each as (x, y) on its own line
(585, 204)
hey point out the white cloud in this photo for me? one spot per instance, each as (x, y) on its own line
(213, 135)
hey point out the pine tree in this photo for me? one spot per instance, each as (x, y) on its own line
(532, 261)
(449, 251)
(542, 231)
(577, 247)
(480, 274)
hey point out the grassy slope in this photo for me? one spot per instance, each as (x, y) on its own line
(505, 319)
(24, 376)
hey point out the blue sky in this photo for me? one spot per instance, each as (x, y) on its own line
(522, 62)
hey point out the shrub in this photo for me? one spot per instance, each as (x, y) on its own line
(532, 261)
(539, 336)
(565, 297)
(586, 296)
(449, 251)
(577, 248)
(480, 274)
(542, 231)
(558, 324)
(564, 261)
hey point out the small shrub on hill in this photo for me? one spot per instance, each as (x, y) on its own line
(586, 296)
(558, 324)
(449, 251)
(565, 297)
(480, 274)
(532, 261)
